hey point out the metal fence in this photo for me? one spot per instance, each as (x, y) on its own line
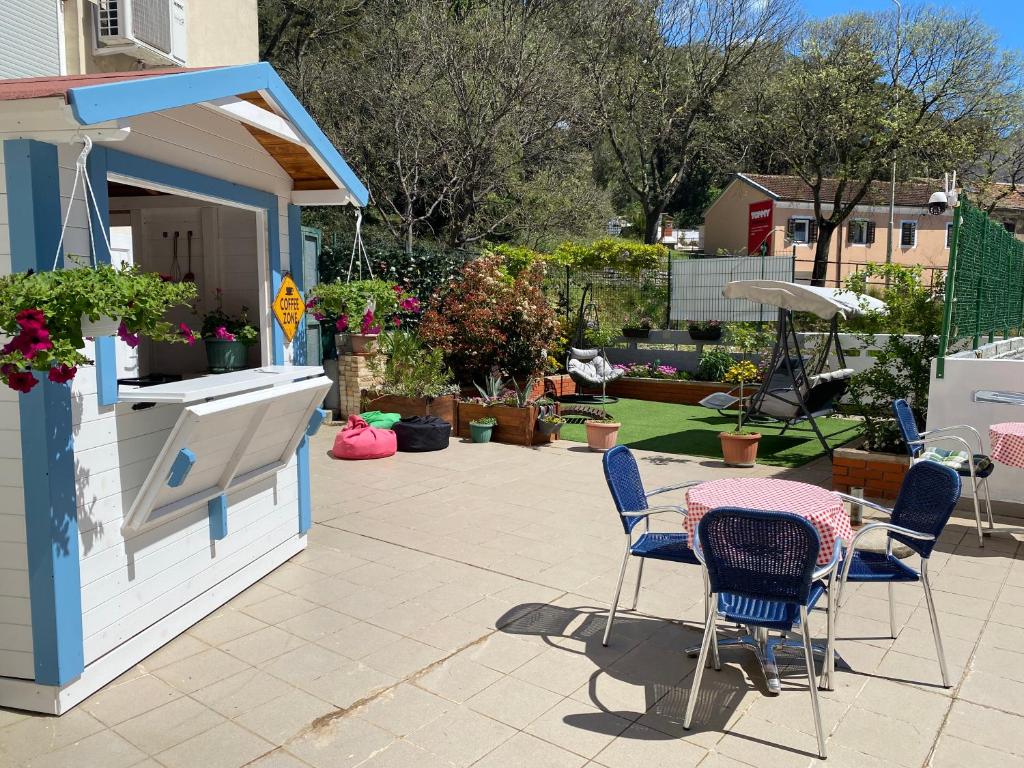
(621, 298)
(984, 283)
(697, 287)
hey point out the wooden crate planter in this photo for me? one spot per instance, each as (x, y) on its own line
(879, 474)
(517, 426)
(666, 390)
(443, 407)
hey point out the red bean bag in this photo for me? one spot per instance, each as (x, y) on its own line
(358, 440)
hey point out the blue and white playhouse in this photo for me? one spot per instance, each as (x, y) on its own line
(130, 512)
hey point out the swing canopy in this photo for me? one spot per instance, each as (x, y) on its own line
(826, 303)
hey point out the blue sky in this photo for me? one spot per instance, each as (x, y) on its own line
(1002, 15)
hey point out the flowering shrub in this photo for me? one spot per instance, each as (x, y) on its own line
(651, 371)
(741, 372)
(484, 319)
(42, 312)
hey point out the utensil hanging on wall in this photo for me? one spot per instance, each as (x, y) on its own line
(190, 276)
(175, 265)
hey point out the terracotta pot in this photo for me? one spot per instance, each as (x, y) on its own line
(362, 344)
(602, 435)
(739, 449)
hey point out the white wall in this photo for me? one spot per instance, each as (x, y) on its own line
(951, 401)
(15, 612)
(5, 232)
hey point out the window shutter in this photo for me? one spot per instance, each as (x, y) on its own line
(790, 228)
(812, 231)
(907, 234)
(871, 232)
(851, 228)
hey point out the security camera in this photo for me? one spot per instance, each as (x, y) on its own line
(938, 203)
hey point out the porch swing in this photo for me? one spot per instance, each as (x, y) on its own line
(589, 367)
(798, 387)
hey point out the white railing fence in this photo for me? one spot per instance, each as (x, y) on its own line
(697, 287)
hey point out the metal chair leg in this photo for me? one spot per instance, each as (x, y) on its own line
(933, 615)
(977, 506)
(988, 504)
(639, 577)
(709, 636)
(715, 659)
(892, 610)
(812, 684)
(829, 667)
(615, 600)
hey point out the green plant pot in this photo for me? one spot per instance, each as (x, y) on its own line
(224, 356)
(480, 433)
(547, 428)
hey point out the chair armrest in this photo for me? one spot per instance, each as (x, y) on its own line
(676, 487)
(862, 502)
(944, 439)
(864, 531)
(646, 514)
(830, 567)
(953, 428)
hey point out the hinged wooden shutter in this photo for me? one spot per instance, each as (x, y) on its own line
(907, 234)
(812, 231)
(871, 232)
(790, 227)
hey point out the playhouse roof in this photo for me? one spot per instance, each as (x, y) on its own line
(252, 94)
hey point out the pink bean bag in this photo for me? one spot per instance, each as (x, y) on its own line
(358, 440)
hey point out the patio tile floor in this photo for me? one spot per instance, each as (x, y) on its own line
(449, 612)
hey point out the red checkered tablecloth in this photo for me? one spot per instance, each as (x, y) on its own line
(1007, 441)
(821, 507)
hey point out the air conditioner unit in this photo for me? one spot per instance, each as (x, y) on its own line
(152, 31)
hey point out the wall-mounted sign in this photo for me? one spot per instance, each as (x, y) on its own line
(759, 228)
(289, 307)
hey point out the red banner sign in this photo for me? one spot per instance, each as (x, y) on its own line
(759, 227)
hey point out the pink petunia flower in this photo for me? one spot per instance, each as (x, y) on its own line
(131, 339)
(411, 304)
(21, 381)
(342, 325)
(186, 332)
(223, 334)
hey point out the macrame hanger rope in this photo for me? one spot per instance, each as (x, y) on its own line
(359, 250)
(81, 172)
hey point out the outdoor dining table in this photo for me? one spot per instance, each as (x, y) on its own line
(822, 508)
(1007, 440)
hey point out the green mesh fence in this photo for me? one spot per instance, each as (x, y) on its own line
(984, 283)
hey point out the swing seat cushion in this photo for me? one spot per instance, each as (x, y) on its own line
(380, 420)
(422, 433)
(594, 371)
(823, 389)
(358, 440)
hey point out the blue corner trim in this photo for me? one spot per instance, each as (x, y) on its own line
(218, 509)
(51, 526)
(180, 468)
(106, 348)
(47, 453)
(126, 98)
(316, 419)
(106, 370)
(33, 203)
(305, 495)
(297, 267)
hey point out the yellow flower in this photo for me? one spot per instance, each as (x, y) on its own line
(741, 372)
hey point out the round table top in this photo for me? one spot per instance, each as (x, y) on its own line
(822, 508)
(1007, 439)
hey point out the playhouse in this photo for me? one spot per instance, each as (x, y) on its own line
(147, 493)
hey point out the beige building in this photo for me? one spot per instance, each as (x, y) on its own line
(43, 38)
(779, 211)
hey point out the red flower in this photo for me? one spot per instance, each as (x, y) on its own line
(31, 318)
(62, 374)
(342, 325)
(21, 381)
(129, 338)
(398, 321)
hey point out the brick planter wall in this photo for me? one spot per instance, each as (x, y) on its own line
(559, 385)
(666, 390)
(353, 377)
(879, 474)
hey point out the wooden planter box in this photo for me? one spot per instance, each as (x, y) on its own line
(516, 426)
(667, 390)
(443, 407)
(879, 474)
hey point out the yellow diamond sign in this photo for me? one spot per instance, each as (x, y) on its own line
(289, 307)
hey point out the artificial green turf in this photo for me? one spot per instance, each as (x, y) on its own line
(693, 430)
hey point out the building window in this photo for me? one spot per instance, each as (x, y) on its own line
(1011, 226)
(908, 234)
(860, 232)
(949, 234)
(802, 230)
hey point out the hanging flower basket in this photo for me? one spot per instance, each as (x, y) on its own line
(103, 326)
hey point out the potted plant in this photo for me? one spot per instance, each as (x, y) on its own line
(227, 337)
(739, 447)
(602, 433)
(550, 424)
(704, 330)
(361, 308)
(480, 429)
(640, 329)
(412, 380)
(44, 313)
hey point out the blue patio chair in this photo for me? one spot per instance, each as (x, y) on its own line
(976, 466)
(927, 497)
(631, 501)
(762, 573)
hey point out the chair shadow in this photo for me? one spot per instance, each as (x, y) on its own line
(665, 675)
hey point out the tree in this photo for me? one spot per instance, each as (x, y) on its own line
(855, 97)
(663, 74)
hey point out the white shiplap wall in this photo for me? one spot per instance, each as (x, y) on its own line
(15, 614)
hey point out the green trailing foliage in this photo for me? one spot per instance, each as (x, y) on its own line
(614, 253)
(405, 367)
